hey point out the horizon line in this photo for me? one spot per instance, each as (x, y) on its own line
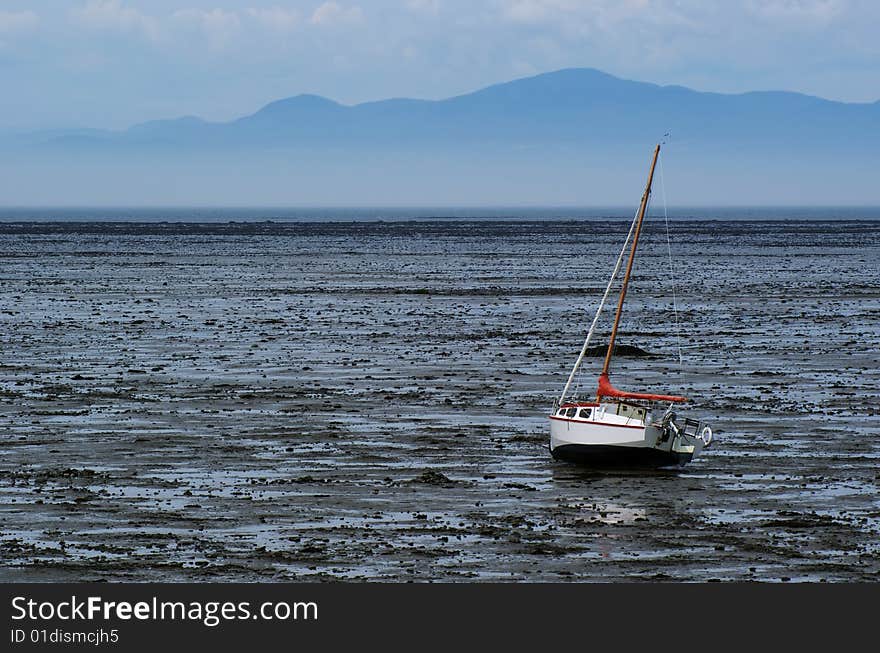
(425, 207)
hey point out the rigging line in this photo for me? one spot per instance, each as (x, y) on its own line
(671, 272)
(599, 311)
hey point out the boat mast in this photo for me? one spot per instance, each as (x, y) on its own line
(629, 265)
(617, 266)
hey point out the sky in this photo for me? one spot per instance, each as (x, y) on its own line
(113, 63)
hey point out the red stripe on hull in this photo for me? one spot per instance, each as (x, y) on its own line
(581, 421)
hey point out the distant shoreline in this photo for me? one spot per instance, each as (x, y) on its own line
(214, 215)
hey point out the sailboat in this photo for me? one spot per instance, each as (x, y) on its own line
(619, 428)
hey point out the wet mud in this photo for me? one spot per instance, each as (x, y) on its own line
(348, 401)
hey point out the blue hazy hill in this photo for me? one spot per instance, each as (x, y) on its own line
(574, 105)
(548, 132)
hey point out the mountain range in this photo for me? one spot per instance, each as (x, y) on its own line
(574, 136)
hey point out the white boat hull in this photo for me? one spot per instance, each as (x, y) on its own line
(604, 444)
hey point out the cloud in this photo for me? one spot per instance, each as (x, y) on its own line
(112, 15)
(17, 21)
(809, 12)
(601, 14)
(424, 6)
(218, 25)
(275, 18)
(527, 11)
(331, 13)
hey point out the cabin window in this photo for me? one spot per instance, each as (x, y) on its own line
(585, 413)
(570, 412)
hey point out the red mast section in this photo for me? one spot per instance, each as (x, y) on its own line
(606, 389)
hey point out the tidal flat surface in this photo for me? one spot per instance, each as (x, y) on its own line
(347, 401)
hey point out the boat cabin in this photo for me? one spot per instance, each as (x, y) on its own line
(603, 411)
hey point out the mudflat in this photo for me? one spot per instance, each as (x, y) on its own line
(367, 401)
